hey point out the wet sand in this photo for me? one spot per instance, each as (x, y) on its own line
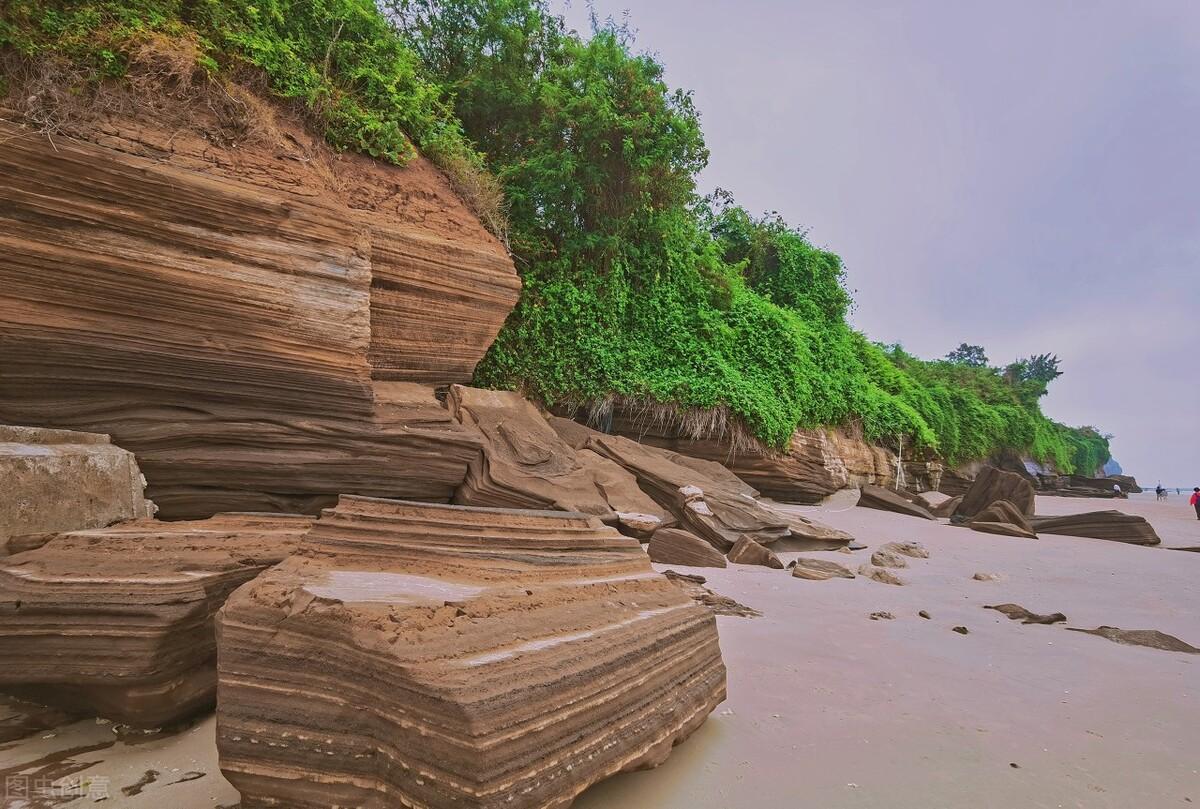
(832, 710)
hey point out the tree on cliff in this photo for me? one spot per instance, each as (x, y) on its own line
(966, 354)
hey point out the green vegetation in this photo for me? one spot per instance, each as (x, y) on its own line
(635, 287)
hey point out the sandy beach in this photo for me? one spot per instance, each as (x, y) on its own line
(829, 708)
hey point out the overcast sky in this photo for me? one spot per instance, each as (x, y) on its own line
(1020, 175)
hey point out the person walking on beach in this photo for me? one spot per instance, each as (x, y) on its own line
(1159, 492)
(1195, 501)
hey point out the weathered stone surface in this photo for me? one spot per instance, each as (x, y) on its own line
(888, 500)
(818, 569)
(992, 484)
(118, 621)
(1114, 525)
(57, 480)
(914, 550)
(223, 313)
(1015, 612)
(1002, 517)
(748, 552)
(702, 505)
(442, 656)
(885, 557)
(693, 586)
(671, 546)
(879, 574)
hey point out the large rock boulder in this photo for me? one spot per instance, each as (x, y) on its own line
(992, 484)
(228, 314)
(442, 656)
(119, 621)
(57, 480)
(1114, 525)
(882, 499)
(671, 546)
(748, 552)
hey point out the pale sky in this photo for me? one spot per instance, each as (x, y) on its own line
(1020, 175)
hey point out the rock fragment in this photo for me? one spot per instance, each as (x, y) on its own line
(879, 574)
(1015, 612)
(913, 550)
(818, 569)
(1150, 638)
(986, 577)
(887, 500)
(748, 552)
(882, 616)
(457, 657)
(962, 630)
(673, 546)
(885, 557)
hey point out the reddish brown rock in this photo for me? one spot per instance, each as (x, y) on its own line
(1112, 525)
(671, 546)
(57, 480)
(992, 484)
(888, 500)
(442, 656)
(232, 316)
(946, 507)
(119, 621)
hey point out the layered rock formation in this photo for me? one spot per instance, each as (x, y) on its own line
(748, 552)
(992, 484)
(1114, 525)
(119, 621)
(456, 657)
(1002, 517)
(226, 314)
(57, 480)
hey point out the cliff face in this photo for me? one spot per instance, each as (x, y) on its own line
(241, 317)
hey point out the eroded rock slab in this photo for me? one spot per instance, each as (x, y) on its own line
(818, 569)
(1112, 525)
(887, 500)
(672, 546)
(748, 552)
(1002, 517)
(1015, 612)
(1150, 638)
(444, 656)
(59, 480)
(118, 621)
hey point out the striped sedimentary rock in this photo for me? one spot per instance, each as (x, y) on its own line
(412, 654)
(238, 319)
(119, 621)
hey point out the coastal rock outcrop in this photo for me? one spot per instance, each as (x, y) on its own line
(887, 500)
(818, 569)
(1112, 525)
(992, 484)
(118, 621)
(58, 480)
(456, 657)
(672, 546)
(237, 318)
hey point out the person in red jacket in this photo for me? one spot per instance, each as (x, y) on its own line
(1195, 501)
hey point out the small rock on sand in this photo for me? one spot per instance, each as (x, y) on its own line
(818, 569)
(986, 577)
(962, 630)
(924, 614)
(882, 616)
(1150, 638)
(1016, 612)
(879, 574)
(914, 550)
(887, 558)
